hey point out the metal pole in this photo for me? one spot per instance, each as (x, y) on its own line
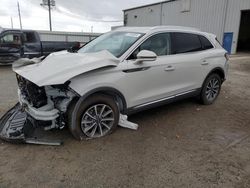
(11, 22)
(19, 13)
(49, 5)
(161, 14)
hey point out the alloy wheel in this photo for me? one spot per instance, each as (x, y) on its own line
(212, 90)
(97, 120)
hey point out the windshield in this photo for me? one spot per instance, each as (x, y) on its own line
(116, 43)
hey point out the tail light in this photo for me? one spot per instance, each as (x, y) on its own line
(227, 56)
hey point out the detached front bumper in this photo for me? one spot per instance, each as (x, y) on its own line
(16, 126)
(20, 123)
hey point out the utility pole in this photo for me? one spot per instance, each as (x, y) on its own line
(50, 4)
(19, 13)
(50, 26)
(11, 21)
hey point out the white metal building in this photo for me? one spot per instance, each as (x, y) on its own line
(67, 36)
(228, 19)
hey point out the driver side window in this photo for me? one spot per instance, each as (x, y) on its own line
(159, 44)
(10, 39)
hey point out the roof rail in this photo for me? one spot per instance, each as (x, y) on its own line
(174, 27)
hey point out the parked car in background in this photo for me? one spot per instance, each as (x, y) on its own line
(121, 72)
(15, 44)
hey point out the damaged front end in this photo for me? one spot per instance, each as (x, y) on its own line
(45, 96)
(39, 107)
(47, 104)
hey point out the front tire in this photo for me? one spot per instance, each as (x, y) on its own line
(97, 116)
(211, 89)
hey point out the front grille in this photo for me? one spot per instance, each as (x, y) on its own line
(35, 95)
(8, 59)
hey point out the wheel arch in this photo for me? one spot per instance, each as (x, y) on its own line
(117, 95)
(112, 92)
(219, 71)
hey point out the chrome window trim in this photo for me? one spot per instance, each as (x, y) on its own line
(160, 32)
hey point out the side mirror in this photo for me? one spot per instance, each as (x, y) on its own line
(145, 55)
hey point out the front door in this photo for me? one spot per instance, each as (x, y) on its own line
(10, 46)
(148, 81)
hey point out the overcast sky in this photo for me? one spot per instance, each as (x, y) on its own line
(69, 15)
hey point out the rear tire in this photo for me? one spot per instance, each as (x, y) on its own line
(97, 116)
(211, 89)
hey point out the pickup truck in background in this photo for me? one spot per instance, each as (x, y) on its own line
(15, 44)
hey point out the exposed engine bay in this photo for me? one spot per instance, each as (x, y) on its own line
(47, 104)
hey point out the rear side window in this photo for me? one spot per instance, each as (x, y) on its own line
(206, 44)
(29, 37)
(185, 42)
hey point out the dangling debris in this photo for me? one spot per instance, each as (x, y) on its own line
(17, 127)
(127, 124)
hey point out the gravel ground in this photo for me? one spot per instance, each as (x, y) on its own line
(179, 145)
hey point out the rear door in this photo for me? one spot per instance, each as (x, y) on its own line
(188, 61)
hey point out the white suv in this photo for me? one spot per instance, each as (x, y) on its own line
(121, 72)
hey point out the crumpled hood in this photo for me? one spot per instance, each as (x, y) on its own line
(60, 67)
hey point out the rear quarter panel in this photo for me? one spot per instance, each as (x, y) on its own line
(216, 59)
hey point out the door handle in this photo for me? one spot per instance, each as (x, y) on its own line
(170, 68)
(204, 62)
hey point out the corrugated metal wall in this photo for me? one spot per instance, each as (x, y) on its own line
(233, 18)
(204, 14)
(207, 15)
(147, 16)
(67, 36)
(214, 16)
